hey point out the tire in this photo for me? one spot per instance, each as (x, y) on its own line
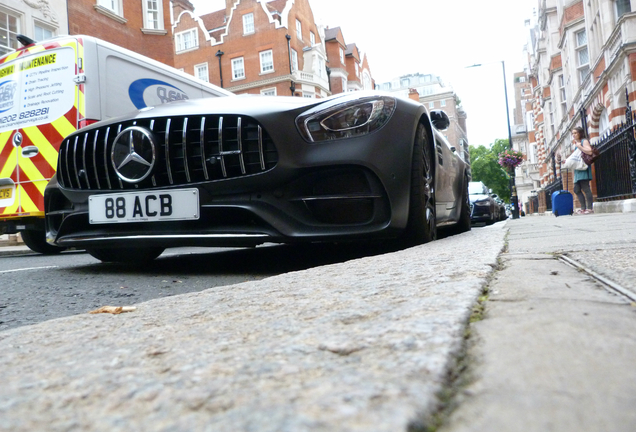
(36, 241)
(463, 223)
(132, 256)
(422, 225)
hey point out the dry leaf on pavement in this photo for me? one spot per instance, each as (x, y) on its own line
(113, 309)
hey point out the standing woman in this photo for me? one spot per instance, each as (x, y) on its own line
(582, 177)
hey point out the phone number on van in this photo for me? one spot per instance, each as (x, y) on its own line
(24, 115)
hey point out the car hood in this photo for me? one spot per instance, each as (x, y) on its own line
(250, 105)
(478, 197)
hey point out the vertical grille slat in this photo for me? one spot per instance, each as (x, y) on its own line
(239, 139)
(121, 185)
(152, 129)
(167, 145)
(189, 150)
(184, 142)
(221, 147)
(75, 170)
(105, 153)
(202, 144)
(260, 147)
(66, 169)
(86, 176)
(95, 172)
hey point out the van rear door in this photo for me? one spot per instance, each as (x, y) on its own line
(39, 107)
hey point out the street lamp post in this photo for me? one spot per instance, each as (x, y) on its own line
(513, 189)
(514, 200)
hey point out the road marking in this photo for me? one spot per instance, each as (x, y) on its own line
(28, 268)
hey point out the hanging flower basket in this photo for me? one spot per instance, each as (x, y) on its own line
(510, 159)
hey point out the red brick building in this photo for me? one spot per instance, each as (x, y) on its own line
(347, 70)
(267, 47)
(140, 26)
(253, 46)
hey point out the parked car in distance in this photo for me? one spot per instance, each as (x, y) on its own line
(501, 208)
(484, 208)
(247, 170)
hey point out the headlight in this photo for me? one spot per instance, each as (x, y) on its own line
(482, 203)
(346, 120)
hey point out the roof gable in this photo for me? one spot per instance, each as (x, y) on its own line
(352, 50)
(334, 34)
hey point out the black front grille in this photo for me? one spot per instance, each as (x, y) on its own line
(189, 150)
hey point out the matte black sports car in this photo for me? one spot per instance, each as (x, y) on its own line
(241, 171)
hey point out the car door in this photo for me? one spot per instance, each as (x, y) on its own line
(446, 177)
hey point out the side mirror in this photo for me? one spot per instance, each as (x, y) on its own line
(440, 119)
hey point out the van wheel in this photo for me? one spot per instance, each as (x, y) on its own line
(36, 241)
(422, 224)
(132, 256)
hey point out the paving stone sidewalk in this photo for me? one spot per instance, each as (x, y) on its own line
(556, 348)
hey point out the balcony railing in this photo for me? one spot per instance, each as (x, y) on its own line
(310, 78)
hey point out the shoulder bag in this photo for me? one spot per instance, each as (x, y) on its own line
(575, 161)
(589, 159)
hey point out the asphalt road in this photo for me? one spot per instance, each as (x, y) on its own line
(36, 288)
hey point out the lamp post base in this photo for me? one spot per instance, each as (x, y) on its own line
(513, 198)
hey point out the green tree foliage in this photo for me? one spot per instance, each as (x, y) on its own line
(485, 168)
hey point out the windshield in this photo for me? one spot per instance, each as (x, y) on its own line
(475, 188)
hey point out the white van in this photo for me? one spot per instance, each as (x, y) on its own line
(52, 88)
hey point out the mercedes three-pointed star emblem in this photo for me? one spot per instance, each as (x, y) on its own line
(133, 155)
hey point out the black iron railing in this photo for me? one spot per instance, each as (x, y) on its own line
(615, 168)
(549, 190)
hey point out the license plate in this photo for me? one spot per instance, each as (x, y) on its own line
(6, 193)
(152, 206)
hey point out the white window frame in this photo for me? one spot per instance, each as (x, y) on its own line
(431, 105)
(312, 38)
(299, 30)
(153, 18)
(267, 61)
(248, 24)
(563, 95)
(357, 70)
(269, 91)
(186, 40)
(201, 71)
(12, 41)
(341, 55)
(621, 10)
(322, 70)
(551, 110)
(442, 103)
(115, 6)
(582, 49)
(294, 60)
(41, 32)
(238, 68)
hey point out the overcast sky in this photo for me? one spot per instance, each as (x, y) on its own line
(440, 38)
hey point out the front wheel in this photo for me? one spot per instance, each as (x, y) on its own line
(463, 223)
(132, 256)
(36, 241)
(422, 225)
